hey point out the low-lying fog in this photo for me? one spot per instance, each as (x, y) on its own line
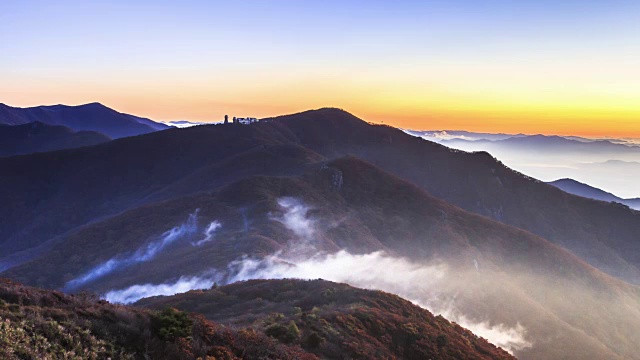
(416, 282)
(526, 312)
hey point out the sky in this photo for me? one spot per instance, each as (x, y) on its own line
(530, 66)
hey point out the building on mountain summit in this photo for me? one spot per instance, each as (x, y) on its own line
(245, 121)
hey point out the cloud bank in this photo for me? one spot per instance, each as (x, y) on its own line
(417, 282)
(137, 292)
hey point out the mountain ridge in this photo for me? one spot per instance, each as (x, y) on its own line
(358, 318)
(581, 189)
(90, 117)
(40, 137)
(476, 182)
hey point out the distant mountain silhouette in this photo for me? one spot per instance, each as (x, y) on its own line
(577, 188)
(554, 157)
(541, 143)
(88, 117)
(40, 137)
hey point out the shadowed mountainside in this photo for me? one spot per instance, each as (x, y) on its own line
(496, 272)
(87, 117)
(110, 178)
(49, 194)
(40, 137)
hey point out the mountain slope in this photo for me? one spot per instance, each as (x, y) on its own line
(577, 188)
(40, 137)
(87, 117)
(40, 324)
(335, 320)
(479, 183)
(494, 272)
(107, 179)
(110, 178)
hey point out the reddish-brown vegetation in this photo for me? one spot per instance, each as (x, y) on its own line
(335, 321)
(39, 324)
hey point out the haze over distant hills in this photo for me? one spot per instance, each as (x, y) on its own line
(441, 135)
(325, 194)
(577, 188)
(599, 162)
(87, 117)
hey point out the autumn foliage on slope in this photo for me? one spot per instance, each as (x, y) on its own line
(41, 324)
(335, 321)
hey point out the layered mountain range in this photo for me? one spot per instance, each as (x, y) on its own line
(88, 117)
(538, 271)
(610, 164)
(39, 137)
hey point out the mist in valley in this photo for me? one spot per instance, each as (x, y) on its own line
(528, 313)
(144, 253)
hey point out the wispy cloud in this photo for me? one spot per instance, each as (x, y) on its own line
(209, 233)
(142, 254)
(136, 292)
(295, 217)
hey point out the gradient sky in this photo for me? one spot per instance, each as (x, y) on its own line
(565, 67)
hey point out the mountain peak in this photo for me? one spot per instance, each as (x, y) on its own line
(326, 113)
(566, 180)
(94, 105)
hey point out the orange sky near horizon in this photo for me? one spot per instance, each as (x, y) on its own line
(409, 113)
(549, 67)
(558, 98)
